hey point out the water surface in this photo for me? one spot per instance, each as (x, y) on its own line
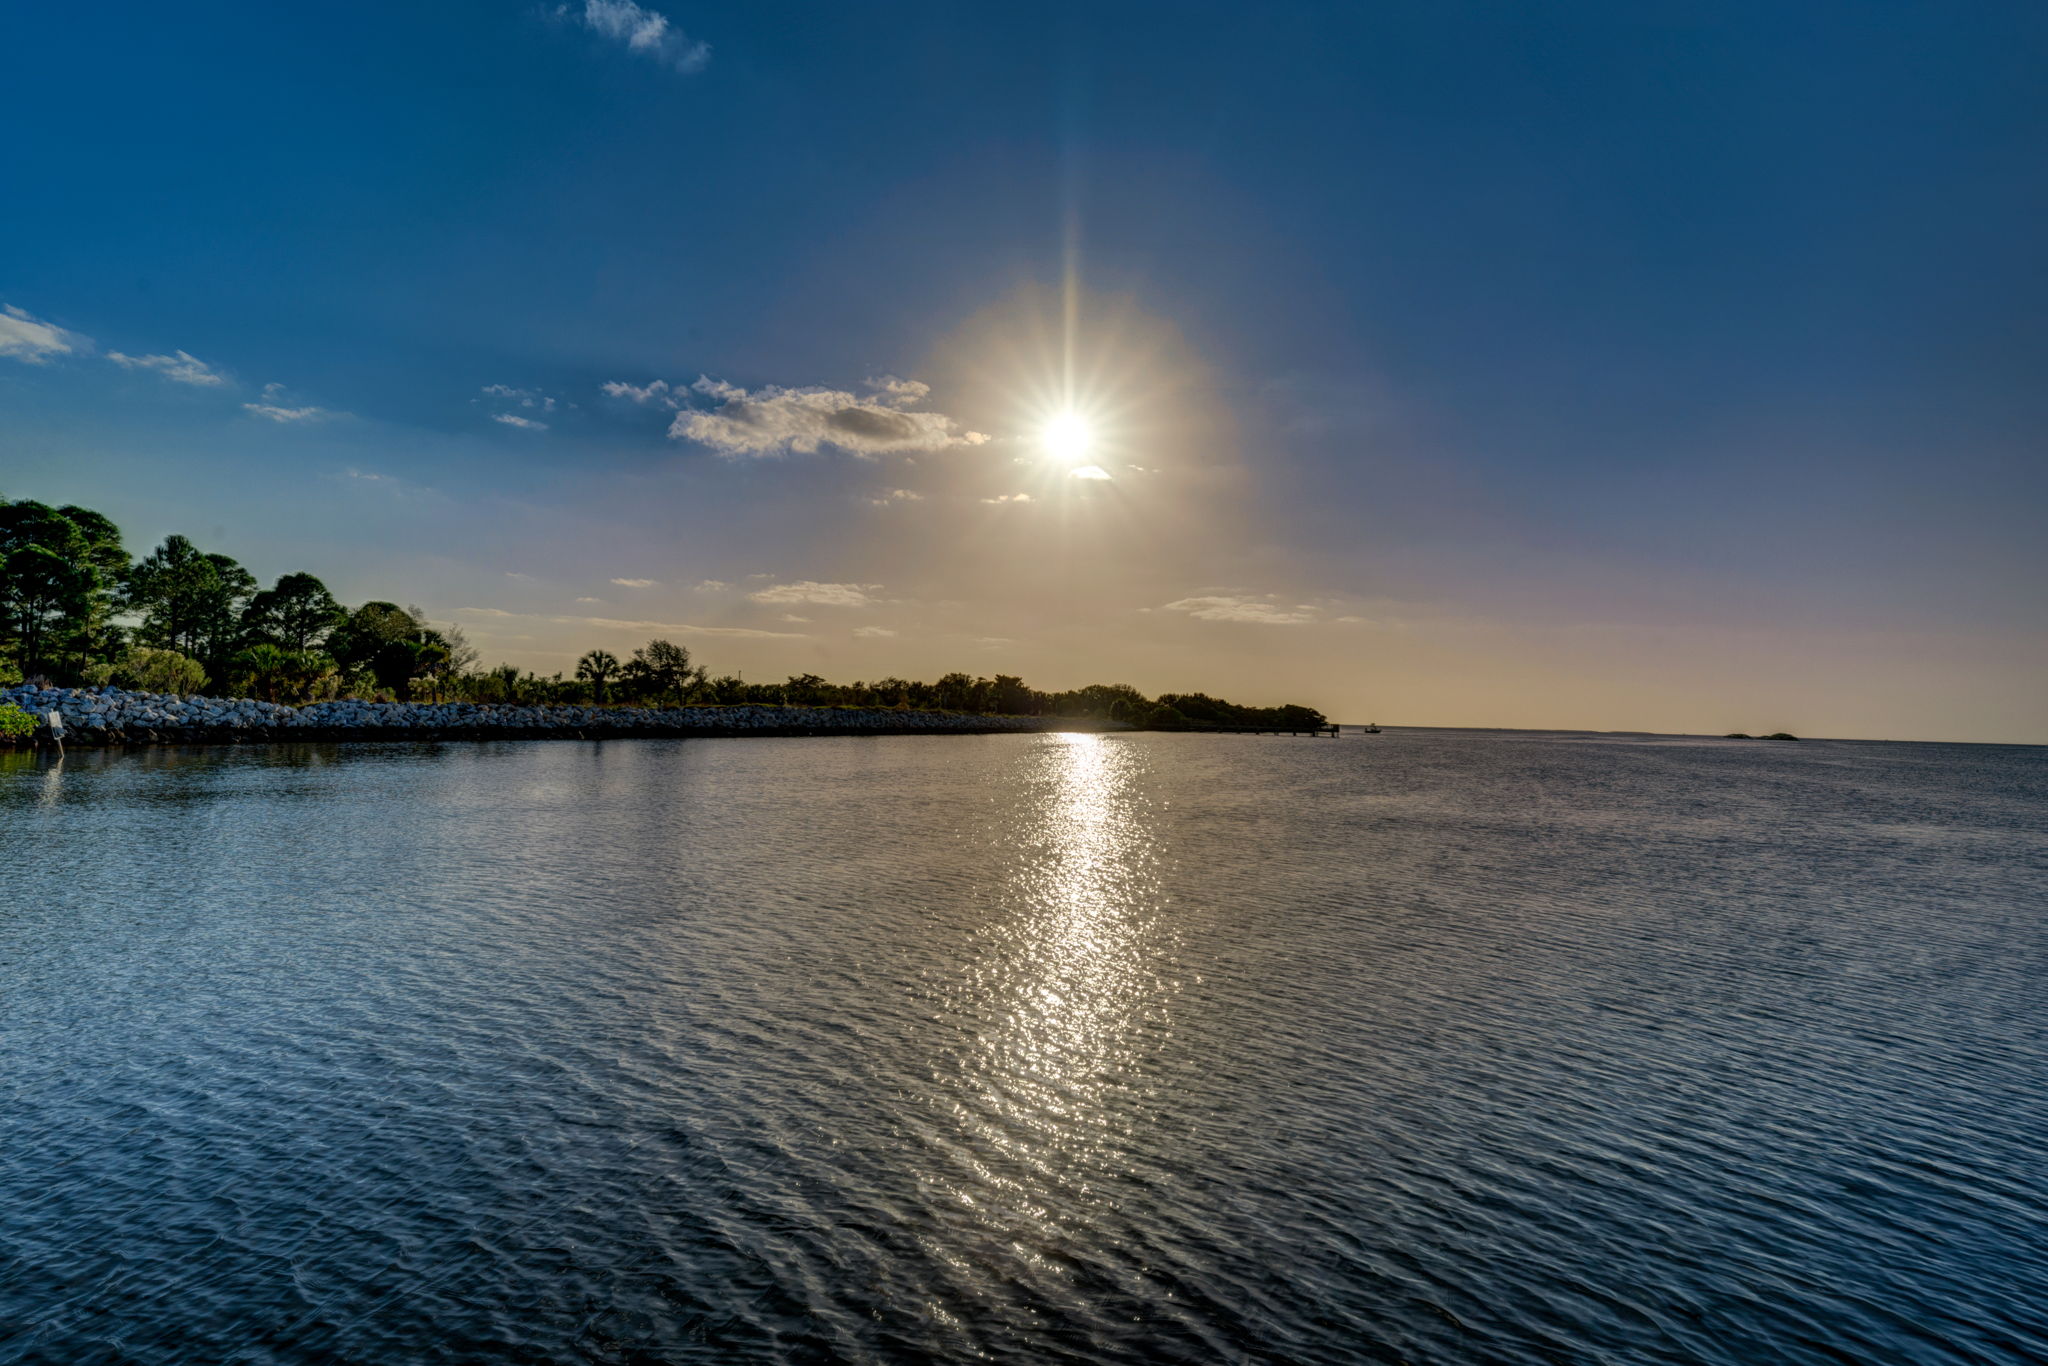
(1427, 1047)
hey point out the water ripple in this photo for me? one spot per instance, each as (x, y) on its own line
(1429, 1048)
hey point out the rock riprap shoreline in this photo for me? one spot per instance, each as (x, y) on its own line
(110, 716)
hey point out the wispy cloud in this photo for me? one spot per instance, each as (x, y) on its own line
(277, 414)
(872, 632)
(1009, 498)
(1088, 472)
(634, 583)
(182, 367)
(656, 392)
(525, 398)
(680, 628)
(821, 594)
(900, 393)
(391, 485)
(515, 420)
(278, 408)
(645, 31)
(1244, 607)
(29, 339)
(774, 421)
(897, 496)
(711, 586)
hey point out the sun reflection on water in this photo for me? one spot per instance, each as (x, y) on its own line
(1071, 999)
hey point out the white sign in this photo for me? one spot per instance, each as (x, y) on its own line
(57, 724)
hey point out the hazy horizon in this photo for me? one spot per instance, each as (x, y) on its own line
(1575, 371)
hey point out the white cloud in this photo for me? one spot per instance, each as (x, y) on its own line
(634, 583)
(525, 398)
(712, 586)
(182, 368)
(680, 628)
(279, 414)
(897, 496)
(1258, 611)
(774, 421)
(823, 594)
(590, 599)
(655, 391)
(1088, 472)
(900, 393)
(872, 632)
(1009, 498)
(29, 339)
(392, 485)
(515, 420)
(645, 31)
(277, 407)
(516, 574)
(791, 616)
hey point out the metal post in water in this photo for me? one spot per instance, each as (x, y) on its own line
(56, 720)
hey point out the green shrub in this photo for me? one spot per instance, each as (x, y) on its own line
(274, 673)
(142, 669)
(16, 725)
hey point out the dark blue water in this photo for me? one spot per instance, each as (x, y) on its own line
(1425, 1047)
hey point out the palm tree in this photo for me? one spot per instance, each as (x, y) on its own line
(266, 668)
(598, 669)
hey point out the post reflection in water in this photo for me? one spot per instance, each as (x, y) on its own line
(53, 783)
(1072, 991)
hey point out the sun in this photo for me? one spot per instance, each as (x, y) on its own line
(1068, 437)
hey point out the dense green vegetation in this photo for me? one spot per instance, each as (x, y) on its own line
(75, 609)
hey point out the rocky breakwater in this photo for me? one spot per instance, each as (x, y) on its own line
(109, 716)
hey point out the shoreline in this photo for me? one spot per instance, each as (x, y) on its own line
(95, 718)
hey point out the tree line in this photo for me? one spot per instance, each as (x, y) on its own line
(1008, 695)
(75, 609)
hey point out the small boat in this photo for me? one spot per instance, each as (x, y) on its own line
(1370, 728)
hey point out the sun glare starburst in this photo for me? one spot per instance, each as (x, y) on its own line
(1069, 437)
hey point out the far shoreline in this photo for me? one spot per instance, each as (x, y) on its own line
(1698, 735)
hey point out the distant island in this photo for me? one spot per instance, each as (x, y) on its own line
(77, 613)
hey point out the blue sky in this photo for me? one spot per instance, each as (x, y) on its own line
(1624, 365)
